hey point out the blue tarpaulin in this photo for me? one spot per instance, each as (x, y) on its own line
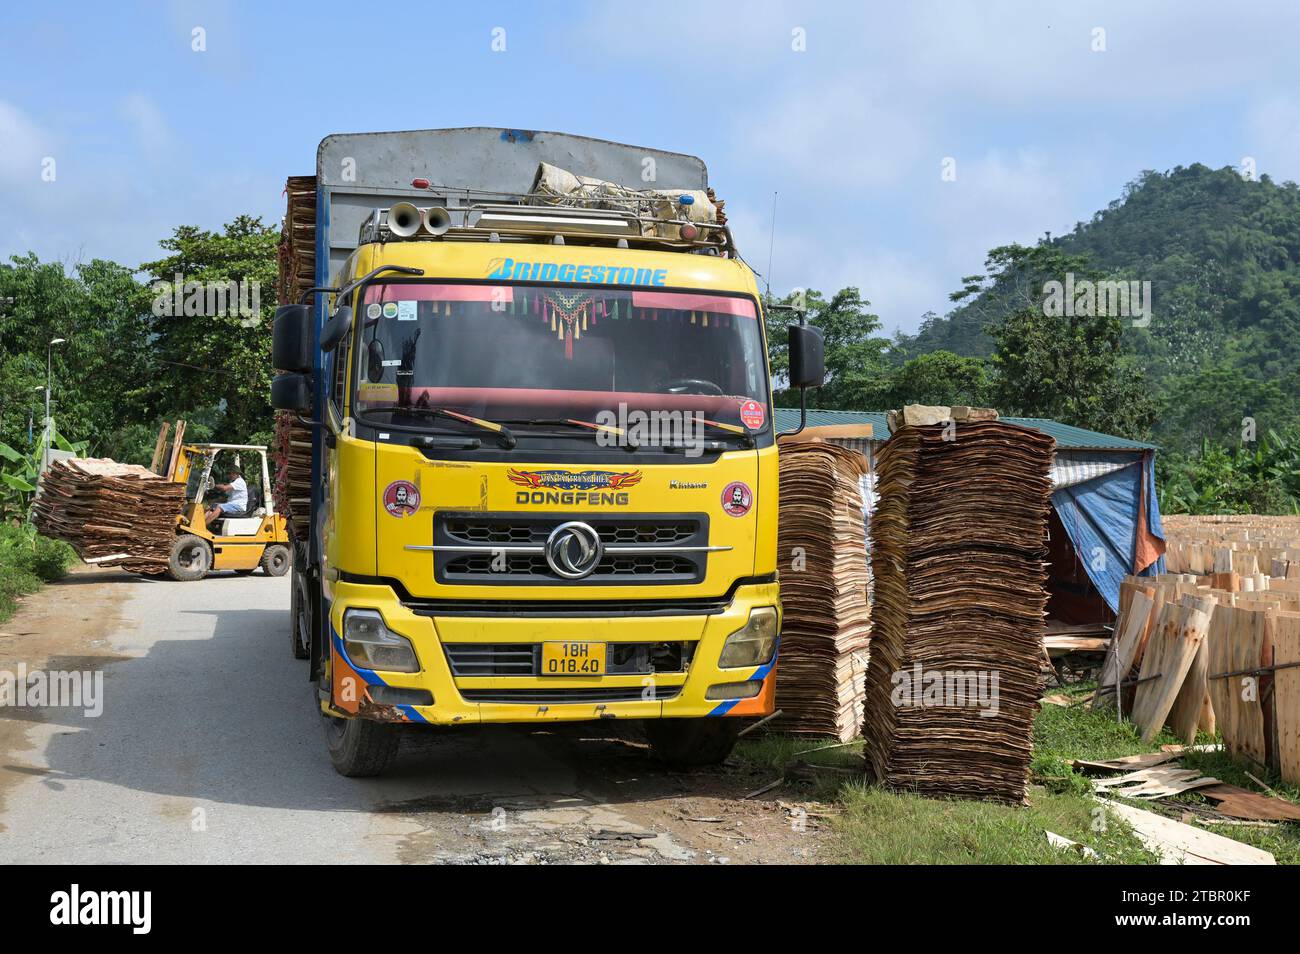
(1107, 503)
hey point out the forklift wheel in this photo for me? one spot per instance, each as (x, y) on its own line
(275, 560)
(190, 558)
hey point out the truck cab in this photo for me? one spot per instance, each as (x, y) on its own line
(544, 462)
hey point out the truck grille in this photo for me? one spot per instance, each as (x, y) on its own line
(475, 530)
(467, 568)
(521, 659)
(500, 567)
(561, 696)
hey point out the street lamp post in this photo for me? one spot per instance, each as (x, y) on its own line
(49, 383)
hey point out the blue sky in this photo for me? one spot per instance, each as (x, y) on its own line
(852, 131)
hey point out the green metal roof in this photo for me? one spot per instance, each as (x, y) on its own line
(1066, 435)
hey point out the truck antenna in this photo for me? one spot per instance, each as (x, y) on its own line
(771, 244)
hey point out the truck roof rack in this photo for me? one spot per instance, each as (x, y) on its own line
(476, 215)
(492, 171)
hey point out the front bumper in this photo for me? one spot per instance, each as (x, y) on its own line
(662, 695)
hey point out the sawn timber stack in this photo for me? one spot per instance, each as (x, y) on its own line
(105, 509)
(823, 560)
(959, 547)
(296, 263)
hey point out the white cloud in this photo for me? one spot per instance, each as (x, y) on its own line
(25, 145)
(153, 133)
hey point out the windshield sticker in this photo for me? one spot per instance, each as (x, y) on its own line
(374, 310)
(401, 498)
(737, 498)
(406, 311)
(751, 413)
(377, 393)
(575, 480)
(508, 268)
(390, 309)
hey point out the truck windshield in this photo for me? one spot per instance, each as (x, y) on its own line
(524, 353)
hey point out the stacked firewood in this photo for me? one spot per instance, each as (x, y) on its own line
(291, 453)
(297, 252)
(821, 552)
(110, 513)
(958, 551)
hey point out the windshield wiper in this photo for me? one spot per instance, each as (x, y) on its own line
(502, 433)
(745, 434)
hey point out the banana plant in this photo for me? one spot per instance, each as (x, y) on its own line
(19, 473)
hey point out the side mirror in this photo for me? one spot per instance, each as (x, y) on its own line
(291, 348)
(290, 392)
(807, 357)
(336, 329)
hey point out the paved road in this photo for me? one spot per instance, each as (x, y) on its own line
(209, 750)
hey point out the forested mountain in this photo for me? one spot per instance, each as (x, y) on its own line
(1222, 254)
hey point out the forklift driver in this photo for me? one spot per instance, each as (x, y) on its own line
(236, 496)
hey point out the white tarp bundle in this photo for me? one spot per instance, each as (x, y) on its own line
(556, 186)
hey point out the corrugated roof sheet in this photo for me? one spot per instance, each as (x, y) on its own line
(1066, 435)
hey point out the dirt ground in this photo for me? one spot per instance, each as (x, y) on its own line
(208, 751)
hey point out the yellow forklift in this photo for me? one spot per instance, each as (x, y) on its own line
(255, 537)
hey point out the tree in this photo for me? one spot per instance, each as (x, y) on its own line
(941, 378)
(856, 369)
(102, 372)
(212, 355)
(1069, 362)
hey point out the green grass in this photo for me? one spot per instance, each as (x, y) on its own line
(886, 828)
(28, 561)
(875, 826)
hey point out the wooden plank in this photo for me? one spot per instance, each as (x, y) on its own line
(832, 432)
(1152, 783)
(1170, 654)
(1286, 695)
(1191, 705)
(1175, 843)
(1242, 803)
(178, 440)
(1130, 629)
(159, 447)
(1236, 643)
(1059, 645)
(1127, 762)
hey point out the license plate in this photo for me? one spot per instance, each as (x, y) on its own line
(573, 659)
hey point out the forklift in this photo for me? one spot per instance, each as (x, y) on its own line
(256, 537)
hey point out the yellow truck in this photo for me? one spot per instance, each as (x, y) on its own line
(544, 476)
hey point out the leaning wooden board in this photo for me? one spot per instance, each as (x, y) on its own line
(1286, 694)
(1170, 654)
(1236, 641)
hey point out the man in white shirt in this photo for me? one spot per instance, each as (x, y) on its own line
(236, 496)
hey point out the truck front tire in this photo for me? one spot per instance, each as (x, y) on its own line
(692, 743)
(360, 748)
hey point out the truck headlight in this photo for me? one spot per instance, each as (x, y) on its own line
(372, 645)
(752, 645)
